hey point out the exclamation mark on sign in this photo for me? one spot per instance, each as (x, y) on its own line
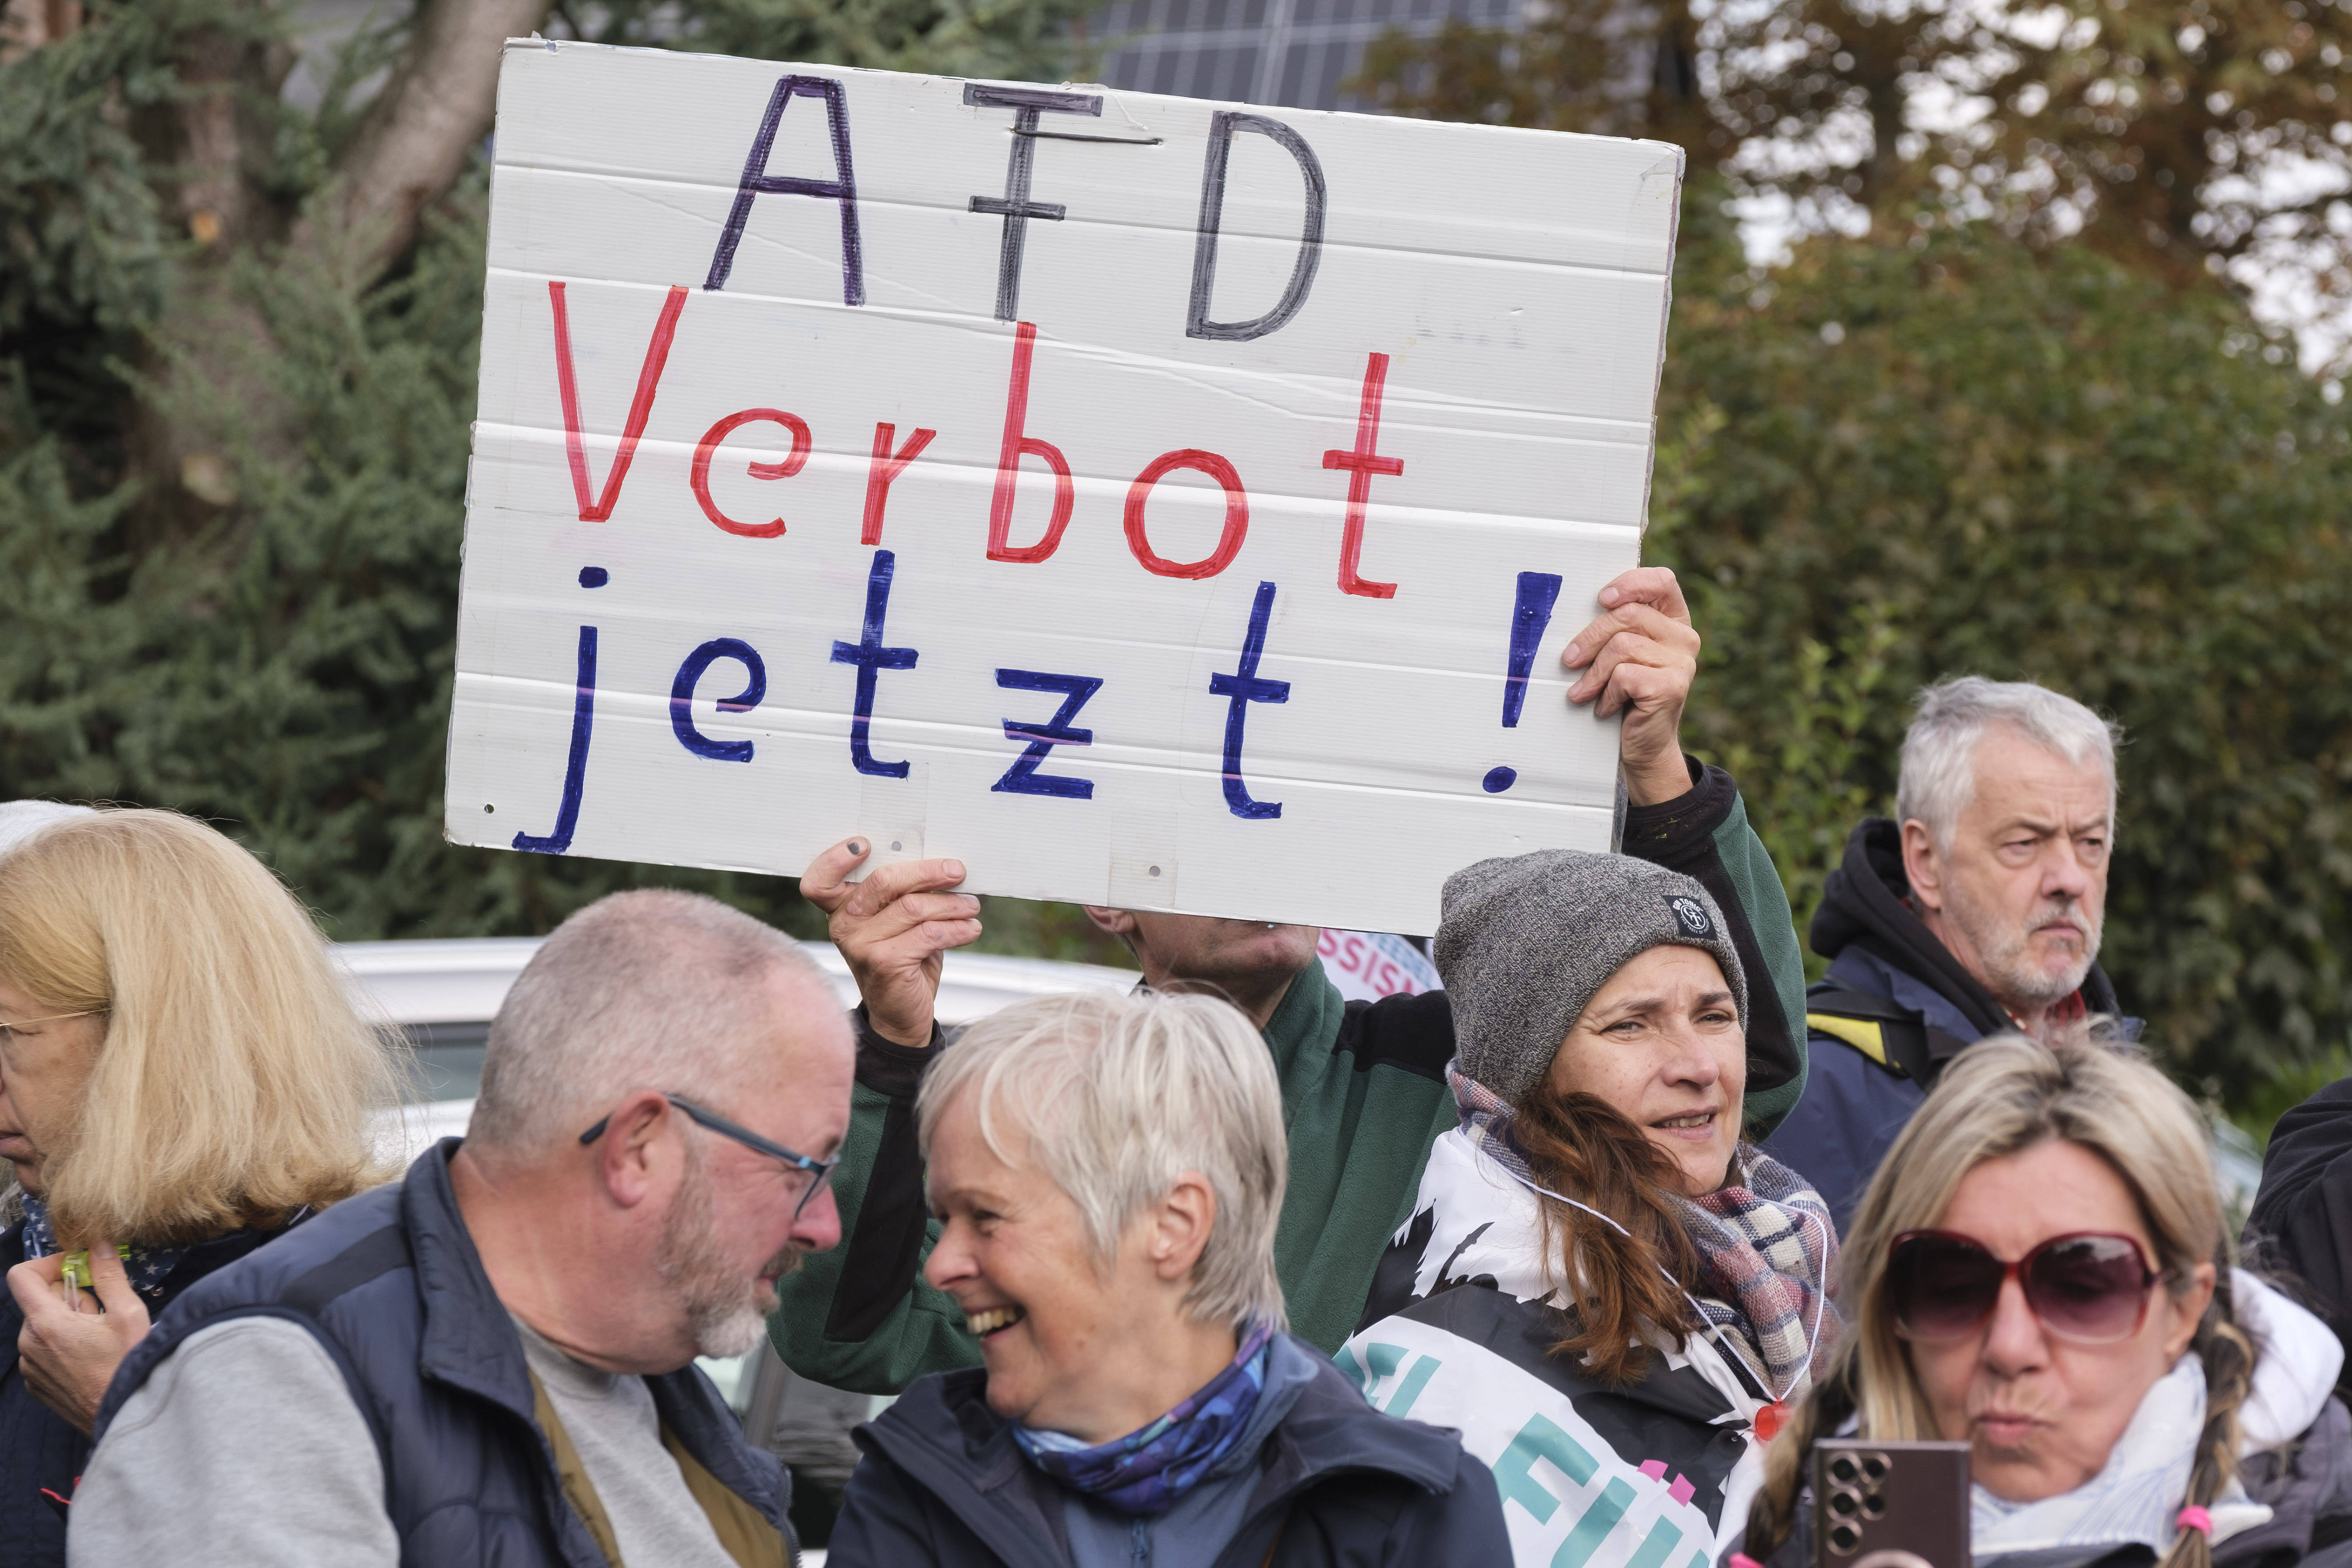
(1539, 591)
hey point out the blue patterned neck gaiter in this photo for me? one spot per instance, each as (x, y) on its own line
(1147, 1470)
(147, 1266)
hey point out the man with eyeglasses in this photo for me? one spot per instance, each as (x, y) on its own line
(491, 1359)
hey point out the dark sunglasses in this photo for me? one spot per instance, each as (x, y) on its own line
(2091, 1286)
(818, 1170)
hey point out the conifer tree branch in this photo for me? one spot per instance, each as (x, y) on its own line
(413, 142)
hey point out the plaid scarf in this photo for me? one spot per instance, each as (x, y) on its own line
(1765, 1248)
(1147, 1470)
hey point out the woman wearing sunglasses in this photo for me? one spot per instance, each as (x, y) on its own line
(1601, 1285)
(2041, 1269)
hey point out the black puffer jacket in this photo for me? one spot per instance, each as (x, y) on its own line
(2301, 1225)
(943, 1485)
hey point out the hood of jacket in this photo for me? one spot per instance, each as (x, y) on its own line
(1865, 905)
(942, 1435)
(2296, 1359)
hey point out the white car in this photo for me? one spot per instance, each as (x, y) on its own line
(443, 994)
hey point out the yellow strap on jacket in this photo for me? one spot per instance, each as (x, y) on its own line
(1867, 1037)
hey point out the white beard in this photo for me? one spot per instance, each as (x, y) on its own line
(2004, 947)
(728, 1312)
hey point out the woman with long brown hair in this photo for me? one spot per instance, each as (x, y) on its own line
(1603, 1284)
(181, 1078)
(2041, 1269)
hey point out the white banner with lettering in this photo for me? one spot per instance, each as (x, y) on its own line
(1148, 502)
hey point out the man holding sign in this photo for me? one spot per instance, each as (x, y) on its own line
(1363, 1085)
(1151, 504)
(1085, 495)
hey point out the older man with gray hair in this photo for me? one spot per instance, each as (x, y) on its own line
(492, 1359)
(1976, 911)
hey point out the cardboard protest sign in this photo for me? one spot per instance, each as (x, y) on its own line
(1149, 502)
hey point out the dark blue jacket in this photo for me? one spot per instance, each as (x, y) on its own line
(943, 1485)
(1883, 955)
(2300, 1226)
(41, 1453)
(391, 1285)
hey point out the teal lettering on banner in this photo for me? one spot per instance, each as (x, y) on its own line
(1539, 1439)
(1654, 1547)
(1594, 1527)
(1346, 1361)
(1414, 1382)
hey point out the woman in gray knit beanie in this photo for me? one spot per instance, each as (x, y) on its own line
(1600, 1271)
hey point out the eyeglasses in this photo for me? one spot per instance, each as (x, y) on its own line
(819, 1170)
(2091, 1286)
(52, 1018)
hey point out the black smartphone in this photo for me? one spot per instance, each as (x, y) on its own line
(1890, 1505)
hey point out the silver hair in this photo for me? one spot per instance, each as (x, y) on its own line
(651, 989)
(1118, 1096)
(1939, 776)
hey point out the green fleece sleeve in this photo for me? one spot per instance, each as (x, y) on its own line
(1704, 836)
(859, 1316)
(1756, 882)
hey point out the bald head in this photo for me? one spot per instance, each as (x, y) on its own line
(653, 989)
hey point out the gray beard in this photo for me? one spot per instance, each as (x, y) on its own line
(725, 1310)
(2002, 946)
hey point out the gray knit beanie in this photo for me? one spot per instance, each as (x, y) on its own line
(1525, 941)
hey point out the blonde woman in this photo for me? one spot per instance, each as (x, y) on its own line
(2041, 1269)
(179, 1076)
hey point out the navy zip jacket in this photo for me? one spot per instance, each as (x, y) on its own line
(41, 1453)
(390, 1285)
(943, 1485)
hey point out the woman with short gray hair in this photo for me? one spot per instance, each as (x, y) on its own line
(1108, 1172)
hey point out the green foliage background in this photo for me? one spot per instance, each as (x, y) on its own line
(286, 675)
(1887, 463)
